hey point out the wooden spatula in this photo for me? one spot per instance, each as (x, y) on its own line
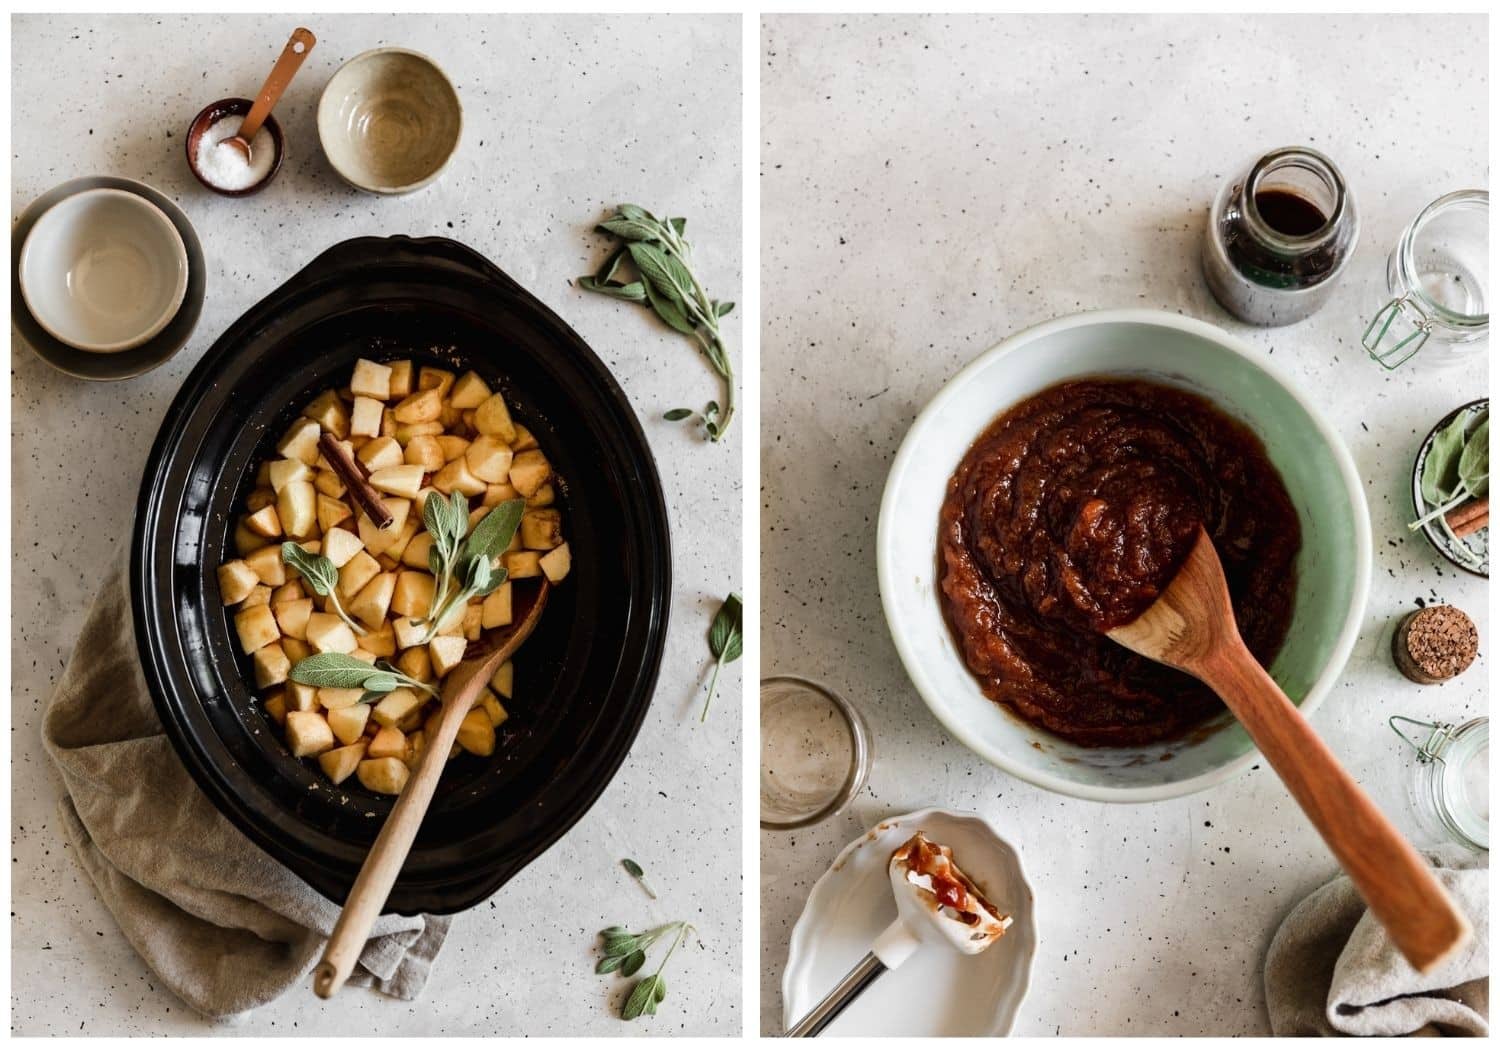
(1191, 627)
(373, 886)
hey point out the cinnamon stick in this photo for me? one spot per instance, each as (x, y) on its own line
(1469, 518)
(352, 475)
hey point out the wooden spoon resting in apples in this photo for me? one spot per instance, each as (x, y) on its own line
(1191, 627)
(373, 886)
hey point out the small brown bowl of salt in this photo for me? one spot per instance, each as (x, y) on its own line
(221, 167)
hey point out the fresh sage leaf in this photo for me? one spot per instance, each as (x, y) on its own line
(632, 963)
(673, 415)
(725, 642)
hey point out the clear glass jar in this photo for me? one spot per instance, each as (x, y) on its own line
(1279, 235)
(1439, 273)
(1451, 787)
(814, 753)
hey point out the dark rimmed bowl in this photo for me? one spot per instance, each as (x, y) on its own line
(583, 681)
(213, 113)
(1471, 554)
(125, 364)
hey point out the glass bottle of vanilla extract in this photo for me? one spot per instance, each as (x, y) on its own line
(1279, 234)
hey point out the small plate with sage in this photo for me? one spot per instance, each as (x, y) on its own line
(1450, 482)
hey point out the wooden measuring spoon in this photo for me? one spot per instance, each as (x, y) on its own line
(286, 67)
(1191, 627)
(373, 886)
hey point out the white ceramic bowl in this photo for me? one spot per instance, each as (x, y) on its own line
(937, 992)
(103, 270)
(1333, 568)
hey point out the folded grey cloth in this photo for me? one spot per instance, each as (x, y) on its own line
(225, 926)
(1331, 969)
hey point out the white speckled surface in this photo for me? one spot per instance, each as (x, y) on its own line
(932, 184)
(564, 117)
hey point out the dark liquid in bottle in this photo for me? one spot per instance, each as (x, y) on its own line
(1289, 214)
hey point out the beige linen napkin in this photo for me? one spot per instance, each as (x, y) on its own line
(225, 926)
(1331, 969)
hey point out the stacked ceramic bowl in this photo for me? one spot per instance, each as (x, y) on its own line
(107, 277)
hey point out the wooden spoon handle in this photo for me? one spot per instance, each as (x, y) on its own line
(286, 67)
(373, 886)
(1394, 880)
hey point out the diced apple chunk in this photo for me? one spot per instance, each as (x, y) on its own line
(338, 764)
(469, 391)
(416, 554)
(328, 411)
(395, 706)
(356, 572)
(541, 529)
(292, 617)
(496, 611)
(370, 380)
(364, 420)
(340, 545)
(414, 593)
(331, 699)
(264, 522)
(453, 446)
(389, 742)
(408, 634)
(301, 697)
(488, 459)
(522, 565)
(372, 602)
(492, 706)
(504, 679)
(285, 471)
(377, 541)
(384, 776)
(256, 627)
(528, 471)
(456, 477)
(403, 378)
(236, 581)
(348, 723)
(331, 512)
(260, 594)
(425, 406)
(267, 566)
(446, 651)
(556, 563)
(380, 453)
(271, 666)
(476, 733)
(276, 707)
(380, 642)
(307, 733)
(492, 417)
(297, 507)
(439, 379)
(405, 480)
(297, 649)
(416, 663)
(328, 634)
(301, 441)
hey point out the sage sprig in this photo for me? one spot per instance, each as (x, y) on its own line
(665, 281)
(462, 559)
(341, 671)
(726, 641)
(625, 952)
(321, 576)
(1457, 467)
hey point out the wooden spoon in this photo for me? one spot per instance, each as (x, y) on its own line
(373, 886)
(1191, 627)
(286, 67)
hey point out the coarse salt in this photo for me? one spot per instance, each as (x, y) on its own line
(224, 166)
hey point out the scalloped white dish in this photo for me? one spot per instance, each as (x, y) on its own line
(937, 992)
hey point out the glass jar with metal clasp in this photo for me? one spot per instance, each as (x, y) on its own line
(1439, 274)
(1451, 786)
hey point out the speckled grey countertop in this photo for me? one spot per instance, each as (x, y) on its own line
(564, 117)
(931, 185)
